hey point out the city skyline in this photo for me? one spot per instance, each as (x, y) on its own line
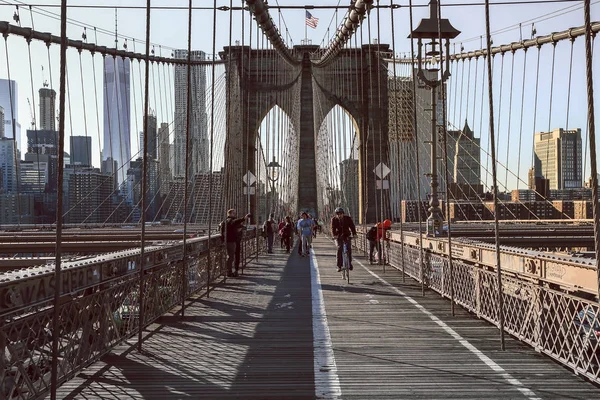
(471, 28)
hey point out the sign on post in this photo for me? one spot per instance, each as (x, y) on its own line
(383, 184)
(249, 179)
(381, 170)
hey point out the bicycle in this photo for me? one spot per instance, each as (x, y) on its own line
(346, 261)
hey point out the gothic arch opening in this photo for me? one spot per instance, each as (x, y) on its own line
(276, 165)
(338, 166)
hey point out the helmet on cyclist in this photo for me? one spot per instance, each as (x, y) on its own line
(339, 210)
(387, 224)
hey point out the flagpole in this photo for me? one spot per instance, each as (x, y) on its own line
(305, 29)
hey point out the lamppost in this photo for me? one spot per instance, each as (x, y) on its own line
(273, 169)
(433, 29)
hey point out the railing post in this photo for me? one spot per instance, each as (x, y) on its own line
(208, 269)
(537, 314)
(477, 292)
(257, 242)
(443, 277)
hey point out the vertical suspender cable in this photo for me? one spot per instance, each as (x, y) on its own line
(550, 106)
(34, 126)
(494, 176)
(521, 119)
(416, 134)
(210, 161)
(510, 101)
(187, 161)
(535, 103)
(445, 140)
(246, 130)
(227, 169)
(592, 131)
(381, 218)
(398, 138)
(227, 187)
(499, 125)
(144, 175)
(371, 126)
(14, 130)
(59, 204)
(85, 124)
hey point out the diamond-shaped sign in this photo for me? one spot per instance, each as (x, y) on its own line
(381, 170)
(249, 179)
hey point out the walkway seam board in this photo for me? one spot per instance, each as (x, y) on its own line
(385, 347)
(253, 339)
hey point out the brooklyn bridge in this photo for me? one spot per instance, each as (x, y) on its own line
(158, 170)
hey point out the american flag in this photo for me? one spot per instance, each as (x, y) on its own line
(311, 21)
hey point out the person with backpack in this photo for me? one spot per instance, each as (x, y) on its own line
(372, 238)
(378, 233)
(230, 235)
(269, 229)
(279, 228)
(286, 233)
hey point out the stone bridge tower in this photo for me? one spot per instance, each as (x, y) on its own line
(258, 80)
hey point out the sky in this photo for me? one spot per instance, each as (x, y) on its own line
(169, 29)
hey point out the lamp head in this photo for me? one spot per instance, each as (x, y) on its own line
(434, 27)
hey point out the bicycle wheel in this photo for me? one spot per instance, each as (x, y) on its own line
(346, 266)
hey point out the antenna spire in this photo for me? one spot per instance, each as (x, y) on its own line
(116, 30)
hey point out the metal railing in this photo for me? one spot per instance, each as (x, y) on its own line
(560, 325)
(97, 316)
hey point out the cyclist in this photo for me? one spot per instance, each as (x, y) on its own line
(342, 227)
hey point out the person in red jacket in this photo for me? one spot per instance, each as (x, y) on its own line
(382, 228)
(279, 230)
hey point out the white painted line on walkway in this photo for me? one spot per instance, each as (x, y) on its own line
(486, 360)
(327, 383)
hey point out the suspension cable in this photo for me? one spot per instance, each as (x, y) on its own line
(494, 178)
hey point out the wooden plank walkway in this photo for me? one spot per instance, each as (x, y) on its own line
(253, 339)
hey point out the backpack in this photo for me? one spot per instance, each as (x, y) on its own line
(372, 234)
(268, 226)
(222, 226)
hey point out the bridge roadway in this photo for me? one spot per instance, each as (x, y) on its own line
(292, 329)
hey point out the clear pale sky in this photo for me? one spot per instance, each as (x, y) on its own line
(169, 29)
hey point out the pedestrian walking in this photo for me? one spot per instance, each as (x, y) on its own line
(305, 230)
(230, 234)
(269, 229)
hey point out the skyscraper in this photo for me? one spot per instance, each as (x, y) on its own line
(42, 146)
(81, 150)
(164, 156)
(1, 122)
(199, 145)
(87, 196)
(47, 109)
(117, 139)
(8, 91)
(152, 150)
(558, 158)
(8, 166)
(464, 156)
